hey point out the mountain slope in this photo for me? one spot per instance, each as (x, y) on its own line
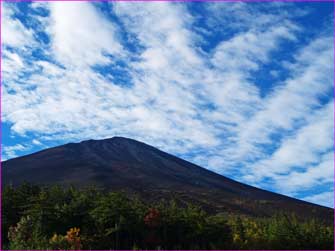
(137, 168)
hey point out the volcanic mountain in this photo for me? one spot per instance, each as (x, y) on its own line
(139, 169)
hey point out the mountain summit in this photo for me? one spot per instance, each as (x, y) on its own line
(137, 168)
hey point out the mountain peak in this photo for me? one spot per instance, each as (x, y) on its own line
(117, 139)
(121, 163)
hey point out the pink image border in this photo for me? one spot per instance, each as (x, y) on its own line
(249, 1)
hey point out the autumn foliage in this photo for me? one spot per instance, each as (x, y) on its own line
(54, 218)
(152, 218)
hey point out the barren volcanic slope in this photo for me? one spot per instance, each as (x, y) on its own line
(137, 168)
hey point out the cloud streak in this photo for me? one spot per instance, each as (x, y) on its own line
(100, 70)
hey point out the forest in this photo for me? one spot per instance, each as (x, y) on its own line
(39, 217)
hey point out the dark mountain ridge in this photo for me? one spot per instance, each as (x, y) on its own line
(137, 168)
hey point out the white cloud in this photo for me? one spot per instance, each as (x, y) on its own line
(160, 34)
(242, 16)
(292, 102)
(81, 35)
(228, 85)
(9, 152)
(313, 175)
(12, 63)
(300, 150)
(36, 142)
(13, 32)
(325, 198)
(247, 50)
(179, 96)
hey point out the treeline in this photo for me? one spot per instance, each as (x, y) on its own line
(36, 217)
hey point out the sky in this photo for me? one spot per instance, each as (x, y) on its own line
(242, 89)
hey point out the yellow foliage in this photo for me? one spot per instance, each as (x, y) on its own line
(72, 236)
(73, 233)
(71, 239)
(54, 238)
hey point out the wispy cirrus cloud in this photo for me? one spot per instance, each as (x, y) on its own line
(15, 33)
(12, 151)
(302, 159)
(88, 41)
(290, 105)
(245, 95)
(325, 198)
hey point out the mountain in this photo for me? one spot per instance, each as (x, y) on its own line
(137, 168)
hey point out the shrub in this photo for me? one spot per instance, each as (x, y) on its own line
(36, 217)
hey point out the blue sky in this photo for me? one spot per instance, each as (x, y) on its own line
(243, 89)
